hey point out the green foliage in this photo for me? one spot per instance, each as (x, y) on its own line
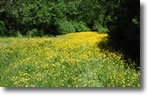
(34, 32)
(64, 26)
(42, 15)
(100, 28)
(3, 29)
(80, 26)
(18, 34)
(123, 21)
(90, 11)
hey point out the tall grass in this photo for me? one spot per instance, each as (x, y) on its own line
(71, 60)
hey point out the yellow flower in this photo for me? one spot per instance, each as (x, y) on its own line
(53, 65)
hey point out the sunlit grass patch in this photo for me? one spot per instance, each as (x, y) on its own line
(73, 60)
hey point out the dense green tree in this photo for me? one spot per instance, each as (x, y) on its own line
(123, 21)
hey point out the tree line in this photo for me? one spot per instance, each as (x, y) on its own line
(43, 17)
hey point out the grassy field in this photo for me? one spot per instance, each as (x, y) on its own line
(71, 60)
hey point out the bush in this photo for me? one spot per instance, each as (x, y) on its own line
(100, 28)
(34, 32)
(63, 26)
(80, 26)
(18, 34)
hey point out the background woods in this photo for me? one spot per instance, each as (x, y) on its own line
(50, 16)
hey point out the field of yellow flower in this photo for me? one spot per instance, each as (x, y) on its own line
(71, 60)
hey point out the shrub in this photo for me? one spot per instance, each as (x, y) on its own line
(100, 28)
(80, 26)
(18, 34)
(34, 32)
(63, 26)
